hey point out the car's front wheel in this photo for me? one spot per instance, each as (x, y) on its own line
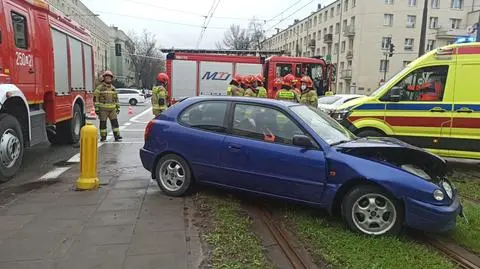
(372, 211)
(173, 175)
(133, 102)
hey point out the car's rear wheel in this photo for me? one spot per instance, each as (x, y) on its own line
(173, 175)
(372, 211)
(133, 102)
(370, 133)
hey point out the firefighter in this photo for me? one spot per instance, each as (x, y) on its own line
(235, 86)
(261, 91)
(107, 106)
(160, 94)
(287, 92)
(277, 85)
(309, 95)
(251, 86)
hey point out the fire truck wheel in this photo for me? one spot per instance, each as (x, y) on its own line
(68, 132)
(11, 147)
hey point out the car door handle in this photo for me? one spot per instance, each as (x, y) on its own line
(437, 109)
(234, 147)
(464, 110)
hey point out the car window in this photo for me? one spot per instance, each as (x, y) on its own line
(206, 116)
(264, 123)
(132, 92)
(20, 30)
(120, 91)
(423, 84)
(349, 99)
(328, 100)
(283, 70)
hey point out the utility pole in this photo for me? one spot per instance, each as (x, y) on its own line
(423, 31)
(478, 27)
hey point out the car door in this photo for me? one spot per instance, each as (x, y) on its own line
(22, 44)
(423, 115)
(204, 125)
(121, 95)
(258, 155)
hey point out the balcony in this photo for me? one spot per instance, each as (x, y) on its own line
(446, 33)
(346, 74)
(328, 38)
(349, 55)
(349, 31)
(312, 44)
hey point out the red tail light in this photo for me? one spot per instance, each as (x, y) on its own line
(148, 130)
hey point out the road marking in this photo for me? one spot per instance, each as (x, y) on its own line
(128, 124)
(124, 142)
(135, 118)
(75, 158)
(54, 173)
(134, 130)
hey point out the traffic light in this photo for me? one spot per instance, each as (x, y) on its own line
(391, 50)
(118, 49)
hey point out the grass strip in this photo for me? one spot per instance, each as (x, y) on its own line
(468, 234)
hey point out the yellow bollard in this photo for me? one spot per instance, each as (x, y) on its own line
(88, 179)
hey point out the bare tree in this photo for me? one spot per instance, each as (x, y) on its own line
(236, 38)
(146, 57)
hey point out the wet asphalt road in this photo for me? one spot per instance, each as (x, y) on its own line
(44, 158)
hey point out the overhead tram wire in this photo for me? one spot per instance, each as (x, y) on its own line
(206, 23)
(285, 10)
(282, 20)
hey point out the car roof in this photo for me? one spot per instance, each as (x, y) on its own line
(265, 101)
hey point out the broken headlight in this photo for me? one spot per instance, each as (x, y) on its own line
(448, 189)
(416, 171)
(340, 115)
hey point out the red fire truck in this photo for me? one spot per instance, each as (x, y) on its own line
(46, 79)
(208, 72)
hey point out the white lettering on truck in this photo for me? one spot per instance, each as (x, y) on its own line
(24, 59)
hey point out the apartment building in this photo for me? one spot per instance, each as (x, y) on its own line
(356, 34)
(79, 13)
(121, 65)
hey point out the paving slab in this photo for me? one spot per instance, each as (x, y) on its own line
(156, 261)
(110, 218)
(158, 242)
(28, 265)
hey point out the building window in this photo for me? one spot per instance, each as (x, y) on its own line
(344, 26)
(384, 65)
(343, 46)
(412, 3)
(338, 9)
(386, 42)
(430, 44)
(457, 4)
(411, 20)
(388, 20)
(436, 4)
(408, 43)
(337, 28)
(319, 36)
(335, 50)
(455, 23)
(388, 2)
(450, 42)
(315, 21)
(330, 29)
(326, 16)
(433, 23)
(331, 12)
(354, 3)
(346, 5)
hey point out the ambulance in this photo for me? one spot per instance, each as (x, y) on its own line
(433, 103)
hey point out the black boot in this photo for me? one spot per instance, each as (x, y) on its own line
(103, 139)
(118, 138)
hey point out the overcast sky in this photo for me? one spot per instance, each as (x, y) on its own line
(178, 22)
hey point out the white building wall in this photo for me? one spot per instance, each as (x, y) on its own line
(363, 74)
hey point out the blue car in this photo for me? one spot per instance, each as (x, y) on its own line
(297, 153)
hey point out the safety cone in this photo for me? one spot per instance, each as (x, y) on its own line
(130, 110)
(92, 114)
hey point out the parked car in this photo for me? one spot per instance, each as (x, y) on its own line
(130, 96)
(328, 104)
(290, 151)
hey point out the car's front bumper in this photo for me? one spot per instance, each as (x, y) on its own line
(432, 218)
(148, 160)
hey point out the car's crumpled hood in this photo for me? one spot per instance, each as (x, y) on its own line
(398, 153)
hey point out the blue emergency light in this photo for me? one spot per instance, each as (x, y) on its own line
(469, 39)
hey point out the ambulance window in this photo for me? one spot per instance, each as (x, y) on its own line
(424, 84)
(283, 70)
(20, 30)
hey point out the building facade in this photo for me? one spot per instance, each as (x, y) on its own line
(355, 35)
(121, 65)
(100, 32)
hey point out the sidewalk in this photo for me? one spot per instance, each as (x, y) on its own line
(127, 223)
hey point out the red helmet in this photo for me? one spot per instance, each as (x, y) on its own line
(307, 80)
(277, 82)
(107, 73)
(237, 78)
(162, 77)
(289, 80)
(248, 80)
(259, 78)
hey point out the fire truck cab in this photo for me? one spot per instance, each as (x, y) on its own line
(46, 79)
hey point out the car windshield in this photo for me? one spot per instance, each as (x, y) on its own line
(323, 125)
(381, 88)
(328, 100)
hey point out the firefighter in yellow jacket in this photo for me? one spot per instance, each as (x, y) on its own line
(288, 92)
(261, 91)
(160, 94)
(107, 106)
(309, 94)
(234, 89)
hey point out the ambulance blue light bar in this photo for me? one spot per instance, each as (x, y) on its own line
(469, 39)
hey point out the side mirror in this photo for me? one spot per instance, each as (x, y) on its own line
(302, 141)
(395, 94)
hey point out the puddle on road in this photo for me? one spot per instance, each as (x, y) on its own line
(63, 164)
(11, 193)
